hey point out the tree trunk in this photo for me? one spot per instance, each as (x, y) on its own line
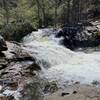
(6, 15)
(68, 12)
(43, 14)
(38, 12)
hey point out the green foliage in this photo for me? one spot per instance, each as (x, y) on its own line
(18, 15)
(20, 21)
(15, 31)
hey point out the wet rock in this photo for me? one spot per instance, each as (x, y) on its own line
(3, 46)
(1, 67)
(17, 53)
(75, 36)
(74, 92)
(96, 83)
(33, 67)
(77, 82)
(63, 94)
(16, 67)
(68, 93)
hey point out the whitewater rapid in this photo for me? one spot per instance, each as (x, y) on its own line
(59, 63)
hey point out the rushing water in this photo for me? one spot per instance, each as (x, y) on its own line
(59, 63)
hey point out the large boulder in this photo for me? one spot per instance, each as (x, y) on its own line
(3, 46)
(80, 35)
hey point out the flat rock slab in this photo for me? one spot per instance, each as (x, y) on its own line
(83, 92)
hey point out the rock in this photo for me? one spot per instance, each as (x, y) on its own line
(34, 66)
(63, 94)
(75, 36)
(3, 46)
(74, 92)
(17, 66)
(2, 67)
(50, 87)
(1, 87)
(95, 82)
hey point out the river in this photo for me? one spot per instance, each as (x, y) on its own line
(59, 63)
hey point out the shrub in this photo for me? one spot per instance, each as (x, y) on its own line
(15, 31)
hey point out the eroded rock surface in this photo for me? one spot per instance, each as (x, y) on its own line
(17, 68)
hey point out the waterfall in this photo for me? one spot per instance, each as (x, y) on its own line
(59, 63)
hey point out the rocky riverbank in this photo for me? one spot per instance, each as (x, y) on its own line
(17, 71)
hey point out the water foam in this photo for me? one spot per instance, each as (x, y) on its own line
(61, 64)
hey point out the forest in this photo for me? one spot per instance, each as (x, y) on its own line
(20, 17)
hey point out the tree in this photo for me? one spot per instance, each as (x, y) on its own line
(6, 6)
